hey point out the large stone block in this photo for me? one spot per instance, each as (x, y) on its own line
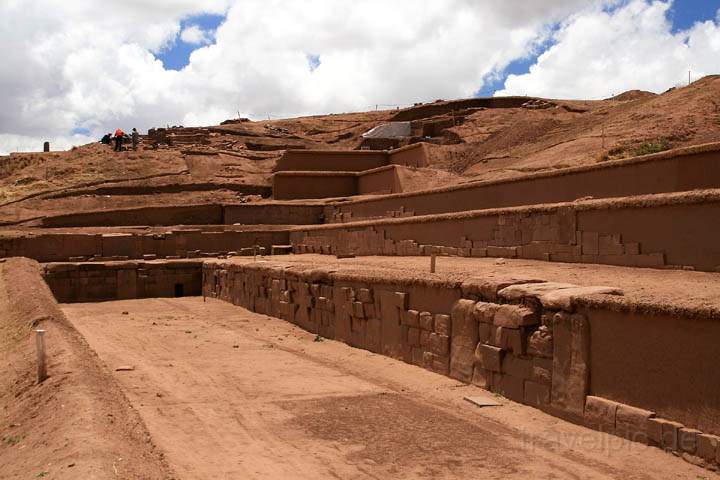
(536, 394)
(517, 367)
(426, 321)
(707, 447)
(509, 387)
(485, 312)
(440, 344)
(464, 339)
(600, 413)
(443, 324)
(571, 362)
(391, 306)
(490, 357)
(515, 316)
(411, 318)
(688, 440)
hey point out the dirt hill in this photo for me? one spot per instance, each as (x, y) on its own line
(469, 140)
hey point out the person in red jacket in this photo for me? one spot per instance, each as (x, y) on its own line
(118, 140)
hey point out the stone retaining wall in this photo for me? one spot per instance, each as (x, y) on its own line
(663, 231)
(95, 282)
(522, 338)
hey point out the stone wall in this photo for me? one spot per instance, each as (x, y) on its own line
(522, 338)
(94, 282)
(331, 184)
(187, 243)
(209, 214)
(664, 231)
(673, 171)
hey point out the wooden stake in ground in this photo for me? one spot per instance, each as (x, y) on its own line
(41, 366)
(433, 258)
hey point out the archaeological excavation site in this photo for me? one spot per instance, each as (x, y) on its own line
(506, 287)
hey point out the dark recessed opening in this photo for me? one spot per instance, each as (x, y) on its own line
(179, 290)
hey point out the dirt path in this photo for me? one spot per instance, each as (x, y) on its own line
(229, 394)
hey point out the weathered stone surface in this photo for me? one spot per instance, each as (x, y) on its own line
(464, 339)
(443, 324)
(485, 312)
(540, 343)
(517, 367)
(481, 377)
(515, 316)
(707, 447)
(688, 440)
(632, 423)
(491, 357)
(536, 394)
(364, 295)
(440, 344)
(509, 387)
(487, 288)
(542, 370)
(391, 306)
(554, 295)
(600, 413)
(411, 318)
(571, 356)
(426, 321)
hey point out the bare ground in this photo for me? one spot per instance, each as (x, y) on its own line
(227, 393)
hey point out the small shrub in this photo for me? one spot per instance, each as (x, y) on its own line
(646, 148)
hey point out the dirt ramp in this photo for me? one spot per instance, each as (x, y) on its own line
(76, 424)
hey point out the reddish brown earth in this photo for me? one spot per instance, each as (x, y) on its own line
(77, 423)
(227, 393)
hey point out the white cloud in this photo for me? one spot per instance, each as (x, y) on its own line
(194, 35)
(600, 53)
(74, 64)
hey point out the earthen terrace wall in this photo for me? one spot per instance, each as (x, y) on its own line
(351, 160)
(213, 214)
(672, 171)
(307, 185)
(61, 247)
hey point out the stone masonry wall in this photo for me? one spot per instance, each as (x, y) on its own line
(520, 338)
(637, 234)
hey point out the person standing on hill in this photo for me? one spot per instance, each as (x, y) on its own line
(119, 140)
(135, 138)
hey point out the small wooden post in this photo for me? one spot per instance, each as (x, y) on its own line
(41, 366)
(433, 257)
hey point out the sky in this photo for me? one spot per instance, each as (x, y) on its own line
(73, 71)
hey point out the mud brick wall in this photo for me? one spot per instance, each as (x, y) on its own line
(123, 246)
(93, 282)
(182, 215)
(533, 342)
(331, 160)
(414, 155)
(314, 184)
(674, 171)
(272, 214)
(299, 185)
(664, 231)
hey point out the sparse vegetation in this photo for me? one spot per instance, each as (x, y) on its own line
(646, 148)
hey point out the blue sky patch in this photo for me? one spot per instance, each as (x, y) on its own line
(313, 61)
(683, 15)
(177, 55)
(686, 13)
(80, 131)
